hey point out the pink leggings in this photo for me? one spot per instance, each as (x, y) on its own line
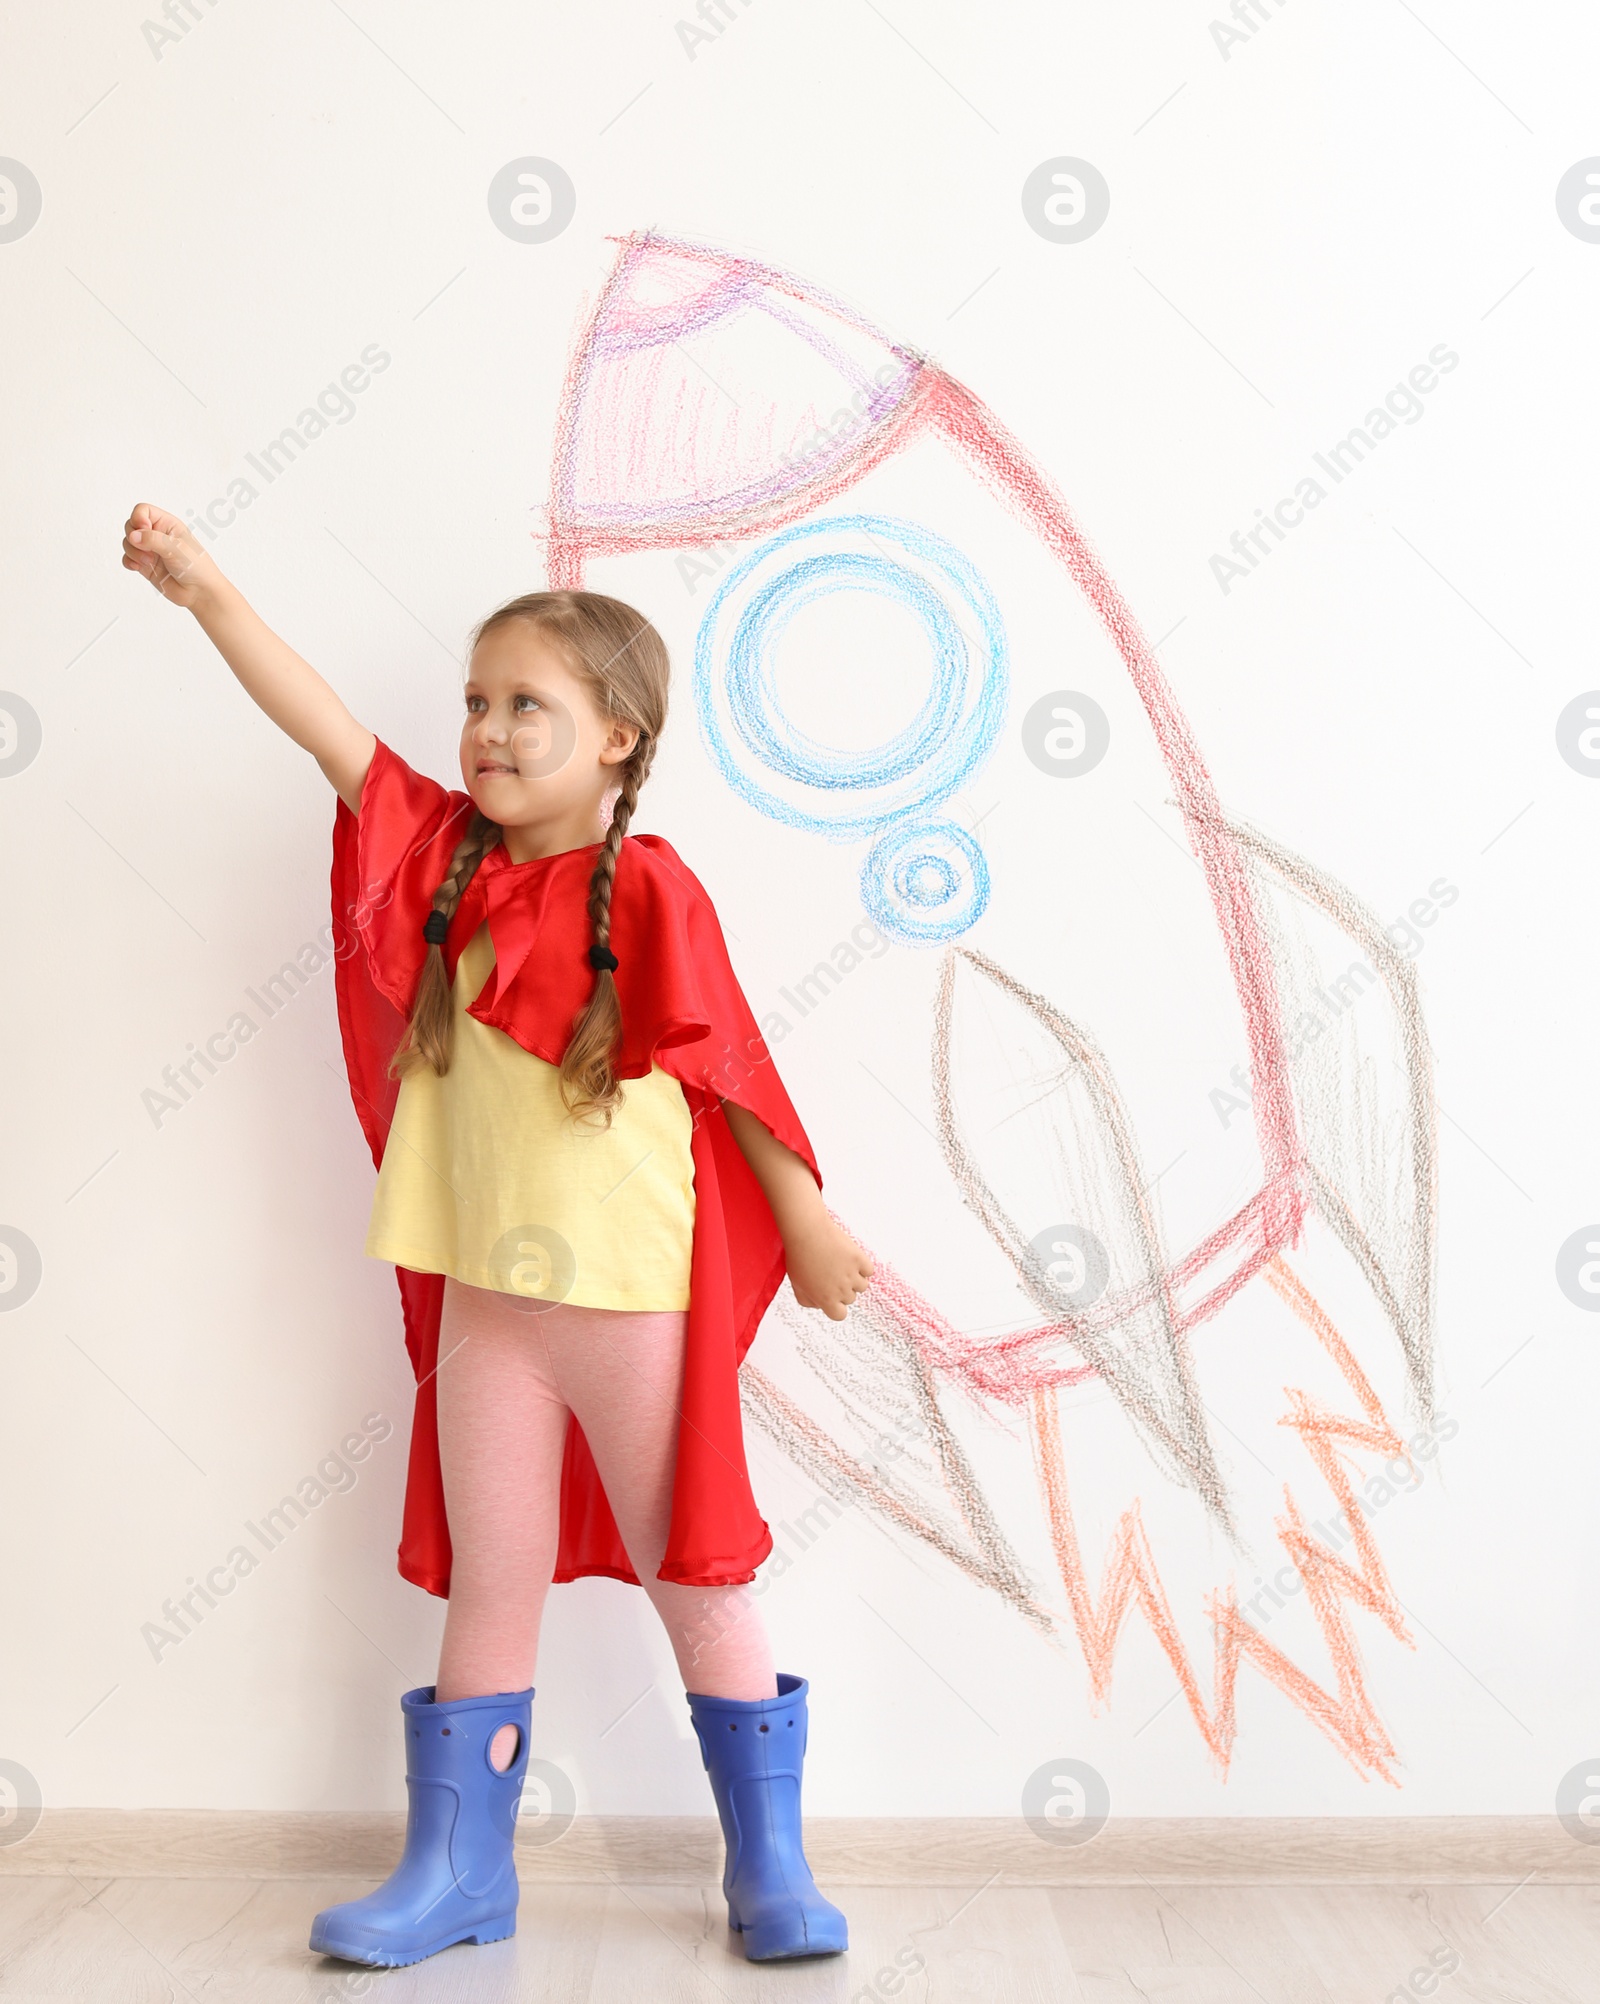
(510, 1377)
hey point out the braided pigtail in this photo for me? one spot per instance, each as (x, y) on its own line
(428, 1034)
(588, 1085)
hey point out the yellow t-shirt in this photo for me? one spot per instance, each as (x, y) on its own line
(486, 1177)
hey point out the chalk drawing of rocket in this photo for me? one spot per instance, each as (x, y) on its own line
(714, 403)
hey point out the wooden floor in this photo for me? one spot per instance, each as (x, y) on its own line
(78, 1940)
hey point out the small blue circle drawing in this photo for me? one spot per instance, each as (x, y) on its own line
(924, 882)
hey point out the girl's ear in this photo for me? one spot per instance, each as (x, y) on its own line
(619, 744)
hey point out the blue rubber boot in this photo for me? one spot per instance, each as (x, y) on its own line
(457, 1880)
(754, 1749)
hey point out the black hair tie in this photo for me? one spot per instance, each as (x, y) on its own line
(435, 927)
(602, 957)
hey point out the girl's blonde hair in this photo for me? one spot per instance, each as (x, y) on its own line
(623, 661)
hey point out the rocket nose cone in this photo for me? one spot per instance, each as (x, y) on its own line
(661, 291)
(707, 390)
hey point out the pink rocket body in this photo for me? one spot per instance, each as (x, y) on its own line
(713, 402)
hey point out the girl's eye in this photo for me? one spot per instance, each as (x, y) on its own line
(532, 701)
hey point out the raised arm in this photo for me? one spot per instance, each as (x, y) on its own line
(161, 549)
(827, 1269)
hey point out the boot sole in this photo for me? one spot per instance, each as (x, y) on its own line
(377, 1957)
(756, 1948)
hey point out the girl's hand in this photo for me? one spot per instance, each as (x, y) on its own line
(159, 547)
(827, 1269)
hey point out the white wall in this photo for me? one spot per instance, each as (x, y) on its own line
(226, 224)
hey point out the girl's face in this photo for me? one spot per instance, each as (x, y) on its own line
(537, 752)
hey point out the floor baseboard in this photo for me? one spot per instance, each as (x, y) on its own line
(844, 1851)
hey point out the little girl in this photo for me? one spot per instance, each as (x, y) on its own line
(591, 1182)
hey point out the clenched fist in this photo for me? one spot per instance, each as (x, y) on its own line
(160, 547)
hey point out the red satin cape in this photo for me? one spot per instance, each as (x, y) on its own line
(682, 1008)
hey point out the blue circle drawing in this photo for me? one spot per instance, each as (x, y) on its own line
(848, 795)
(923, 882)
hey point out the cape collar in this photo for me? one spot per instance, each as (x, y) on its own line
(516, 899)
